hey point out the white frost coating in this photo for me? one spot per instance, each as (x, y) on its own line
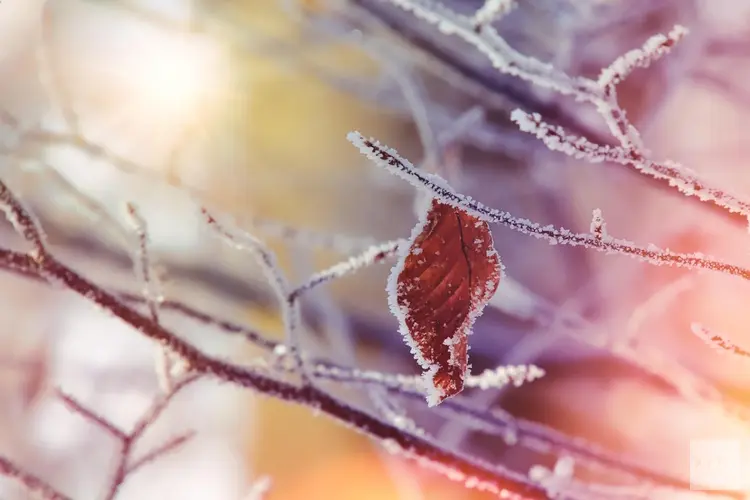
(389, 159)
(655, 47)
(553, 235)
(556, 481)
(371, 255)
(492, 11)
(364, 259)
(557, 139)
(489, 379)
(451, 342)
(598, 227)
(719, 342)
(504, 375)
(678, 176)
(433, 394)
(509, 61)
(501, 55)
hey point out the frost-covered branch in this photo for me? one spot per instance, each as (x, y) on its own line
(266, 259)
(600, 92)
(687, 181)
(145, 312)
(473, 472)
(718, 342)
(529, 434)
(31, 482)
(598, 227)
(151, 290)
(494, 378)
(655, 47)
(390, 160)
(143, 263)
(372, 255)
(127, 440)
(490, 12)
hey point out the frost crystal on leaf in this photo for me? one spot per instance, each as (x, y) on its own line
(437, 296)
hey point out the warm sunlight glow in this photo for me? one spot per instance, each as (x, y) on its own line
(366, 476)
(171, 75)
(142, 87)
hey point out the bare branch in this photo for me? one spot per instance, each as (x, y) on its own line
(165, 448)
(141, 426)
(161, 403)
(29, 481)
(144, 264)
(23, 222)
(94, 418)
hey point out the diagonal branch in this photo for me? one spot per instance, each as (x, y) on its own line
(91, 416)
(29, 481)
(495, 421)
(391, 161)
(499, 481)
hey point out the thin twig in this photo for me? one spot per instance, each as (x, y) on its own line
(143, 264)
(533, 435)
(166, 447)
(389, 159)
(471, 471)
(266, 259)
(97, 420)
(526, 432)
(372, 255)
(719, 342)
(31, 482)
(140, 427)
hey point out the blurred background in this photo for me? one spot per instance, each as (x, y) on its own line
(244, 105)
